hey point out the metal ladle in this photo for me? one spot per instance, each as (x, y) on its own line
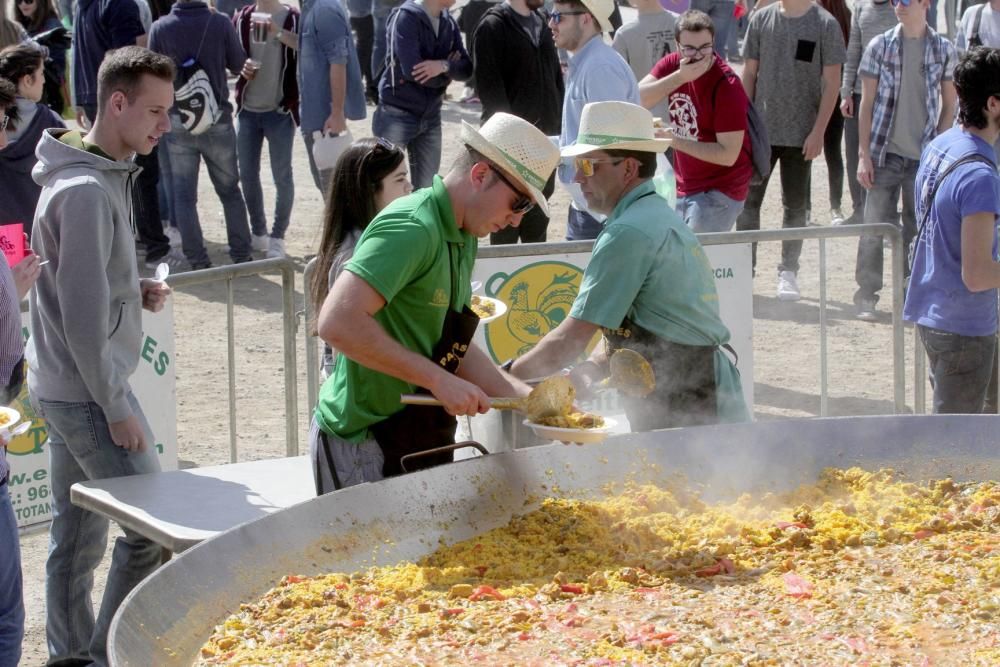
(551, 398)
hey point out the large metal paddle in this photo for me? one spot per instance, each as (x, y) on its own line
(631, 374)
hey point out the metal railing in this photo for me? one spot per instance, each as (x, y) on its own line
(821, 234)
(288, 321)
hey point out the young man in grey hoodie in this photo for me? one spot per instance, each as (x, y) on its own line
(86, 335)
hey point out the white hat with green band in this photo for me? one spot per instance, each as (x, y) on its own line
(615, 126)
(518, 148)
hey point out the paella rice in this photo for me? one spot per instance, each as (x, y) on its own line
(860, 567)
(483, 307)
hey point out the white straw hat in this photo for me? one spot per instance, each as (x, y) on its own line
(615, 126)
(517, 148)
(602, 9)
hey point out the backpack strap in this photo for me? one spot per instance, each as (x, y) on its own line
(974, 39)
(929, 201)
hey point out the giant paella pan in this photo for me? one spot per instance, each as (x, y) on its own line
(831, 541)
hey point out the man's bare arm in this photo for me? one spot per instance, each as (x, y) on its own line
(979, 270)
(558, 349)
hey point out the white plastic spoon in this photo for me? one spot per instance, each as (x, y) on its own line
(18, 430)
(162, 272)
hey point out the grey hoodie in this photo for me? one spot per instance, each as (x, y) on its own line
(86, 308)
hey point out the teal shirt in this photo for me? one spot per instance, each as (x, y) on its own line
(647, 265)
(404, 255)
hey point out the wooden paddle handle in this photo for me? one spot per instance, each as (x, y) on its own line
(427, 399)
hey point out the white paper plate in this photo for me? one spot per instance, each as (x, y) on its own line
(578, 435)
(13, 417)
(500, 307)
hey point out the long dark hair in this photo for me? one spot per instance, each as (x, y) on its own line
(350, 204)
(17, 62)
(840, 12)
(34, 24)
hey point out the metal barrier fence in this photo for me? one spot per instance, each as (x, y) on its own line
(288, 321)
(721, 238)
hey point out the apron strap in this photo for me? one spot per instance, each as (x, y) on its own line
(729, 348)
(325, 446)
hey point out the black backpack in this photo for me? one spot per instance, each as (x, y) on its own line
(760, 146)
(974, 39)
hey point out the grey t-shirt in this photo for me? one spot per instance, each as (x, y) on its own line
(435, 20)
(643, 42)
(792, 53)
(910, 114)
(989, 27)
(264, 92)
(531, 24)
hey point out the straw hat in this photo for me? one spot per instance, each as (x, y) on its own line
(615, 126)
(602, 10)
(518, 148)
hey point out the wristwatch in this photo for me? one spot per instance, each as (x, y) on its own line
(278, 35)
(446, 65)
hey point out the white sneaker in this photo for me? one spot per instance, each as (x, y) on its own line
(788, 287)
(276, 249)
(261, 243)
(174, 235)
(836, 217)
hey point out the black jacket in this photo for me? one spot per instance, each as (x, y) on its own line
(514, 75)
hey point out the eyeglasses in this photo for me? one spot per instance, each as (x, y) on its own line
(523, 203)
(897, 3)
(586, 165)
(3, 123)
(557, 17)
(690, 51)
(25, 2)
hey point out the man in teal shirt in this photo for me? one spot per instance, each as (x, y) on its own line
(648, 286)
(399, 313)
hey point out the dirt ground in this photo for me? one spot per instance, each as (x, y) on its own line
(786, 343)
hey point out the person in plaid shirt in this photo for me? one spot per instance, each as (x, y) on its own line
(907, 98)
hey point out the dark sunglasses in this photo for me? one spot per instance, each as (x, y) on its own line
(557, 17)
(383, 145)
(25, 2)
(897, 3)
(523, 203)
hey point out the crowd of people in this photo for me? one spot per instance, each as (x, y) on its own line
(561, 102)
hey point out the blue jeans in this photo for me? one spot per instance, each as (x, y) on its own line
(420, 136)
(897, 174)
(581, 226)
(960, 368)
(217, 146)
(252, 129)
(709, 211)
(11, 596)
(721, 13)
(321, 177)
(81, 449)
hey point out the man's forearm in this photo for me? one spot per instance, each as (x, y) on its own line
(338, 90)
(480, 370)
(865, 126)
(712, 152)
(653, 92)
(558, 349)
(366, 342)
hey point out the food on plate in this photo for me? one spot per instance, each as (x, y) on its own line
(857, 568)
(483, 307)
(5, 418)
(579, 420)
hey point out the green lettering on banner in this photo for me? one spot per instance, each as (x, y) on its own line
(159, 448)
(724, 272)
(161, 363)
(148, 348)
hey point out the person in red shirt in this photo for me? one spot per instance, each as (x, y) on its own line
(707, 126)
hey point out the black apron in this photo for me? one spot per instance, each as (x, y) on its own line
(417, 428)
(685, 393)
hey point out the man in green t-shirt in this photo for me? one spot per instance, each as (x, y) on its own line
(648, 286)
(399, 313)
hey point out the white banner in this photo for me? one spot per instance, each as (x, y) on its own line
(153, 384)
(539, 291)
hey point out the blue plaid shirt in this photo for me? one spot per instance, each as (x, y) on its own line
(882, 60)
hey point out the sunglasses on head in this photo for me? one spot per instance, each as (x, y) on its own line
(383, 145)
(523, 203)
(587, 165)
(556, 17)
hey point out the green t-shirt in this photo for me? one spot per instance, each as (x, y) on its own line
(649, 266)
(75, 139)
(404, 255)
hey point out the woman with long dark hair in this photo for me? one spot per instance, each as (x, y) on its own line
(369, 176)
(834, 137)
(23, 65)
(37, 17)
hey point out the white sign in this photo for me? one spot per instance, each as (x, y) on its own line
(539, 291)
(153, 384)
